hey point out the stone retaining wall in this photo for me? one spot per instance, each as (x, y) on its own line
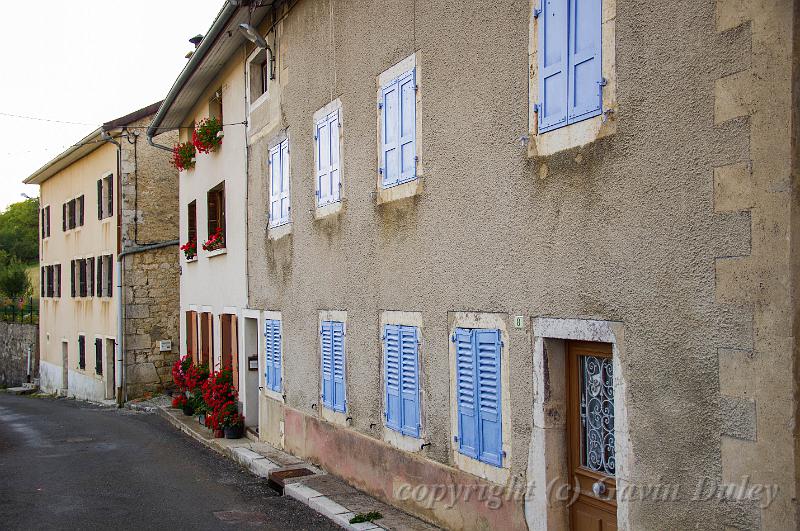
(15, 339)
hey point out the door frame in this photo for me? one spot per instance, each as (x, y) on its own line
(548, 468)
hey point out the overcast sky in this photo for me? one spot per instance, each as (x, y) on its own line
(86, 61)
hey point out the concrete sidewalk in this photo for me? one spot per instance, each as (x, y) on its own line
(324, 493)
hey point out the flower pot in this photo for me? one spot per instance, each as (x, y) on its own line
(219, 434)
(188, 410)
(234, 432)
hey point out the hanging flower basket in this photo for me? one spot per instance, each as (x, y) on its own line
(183, 156)
(207, 136)
(216, 241)
(189, 249)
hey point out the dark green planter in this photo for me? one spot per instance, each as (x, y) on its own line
(234, 432)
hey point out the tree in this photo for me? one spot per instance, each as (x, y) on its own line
(14, 281)
(19, 230)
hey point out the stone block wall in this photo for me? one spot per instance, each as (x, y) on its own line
(15, 339)
(151, 313)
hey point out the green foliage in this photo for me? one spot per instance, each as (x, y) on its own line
(19, 230)
(14, 281)
(366, 517)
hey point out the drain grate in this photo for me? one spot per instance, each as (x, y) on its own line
(277, 478)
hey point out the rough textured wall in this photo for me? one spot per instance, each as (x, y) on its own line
(15, 339)
(150, 189)
(151, 315)
(151, 296)
(631, 228)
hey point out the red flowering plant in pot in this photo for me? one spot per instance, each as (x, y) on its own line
(221, 399)
(207, 136)
(216, 241)
(183, 156)
(189, 249)
(180, 370)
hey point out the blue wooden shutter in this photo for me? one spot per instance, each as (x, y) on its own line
(285, 200)
(390, 159)
(335, 174)
(337, 339)
(488, 346)
(323, 142)
(584, 59)
(466, 393)
(409, 380)
(327, 363)
(276, 356)
(408, 126)
(274, 185)
(268, 354)
(391, 339)
(552, 59)
(272, 350)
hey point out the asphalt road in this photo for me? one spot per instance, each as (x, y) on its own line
(70, 465)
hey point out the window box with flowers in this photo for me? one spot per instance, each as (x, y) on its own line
(183, 156)
(190, 250)
(207, 137)
(216, 242)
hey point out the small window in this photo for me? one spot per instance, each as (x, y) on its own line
(279, 204)
(57, 279)
(326, 138)
(192, 222)
(216, 213)
(72, 214)
(398, 111)
(569, 63)
(264, 76)
(272, 354)
(98, 356)
(215, 106)
(401, 378)
(478, 394)
(82, 352)
(46, 222)
(82, 278)
(90, 277)
(260, 72)
(51, 287)
(105, 197)
(333, 370)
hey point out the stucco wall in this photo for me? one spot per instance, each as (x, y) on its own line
(15, 340)
(62, 319)
(675, 226)
(214, 281)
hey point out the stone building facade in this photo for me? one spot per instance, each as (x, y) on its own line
(108, 253)
(657, 235)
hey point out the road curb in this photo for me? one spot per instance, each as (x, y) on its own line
(261, 466)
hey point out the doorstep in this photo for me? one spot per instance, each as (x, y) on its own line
(326, 494)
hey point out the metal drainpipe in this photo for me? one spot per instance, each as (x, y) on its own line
(119, 365)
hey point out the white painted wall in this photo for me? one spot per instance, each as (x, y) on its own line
(217, 281)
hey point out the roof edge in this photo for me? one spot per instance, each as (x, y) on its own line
(197, 57)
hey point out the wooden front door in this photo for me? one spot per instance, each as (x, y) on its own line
(592, 464)
(207, 340)
(230, 346)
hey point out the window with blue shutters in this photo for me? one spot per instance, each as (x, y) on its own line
(569, 57)
(326, 139)
(478, 394)
(398, 105)
(272, 355)
(333, 376)
(401, 374)
(279, 205)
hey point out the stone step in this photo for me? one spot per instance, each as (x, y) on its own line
(21, 390)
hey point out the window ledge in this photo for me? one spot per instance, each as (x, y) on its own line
(328, 210)
(573, 135)
(279, 231)
(191, 260)
(402, 441)
(216, 252)
(259, 101)
(334, 417)
(274, 395)
(400, 191)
